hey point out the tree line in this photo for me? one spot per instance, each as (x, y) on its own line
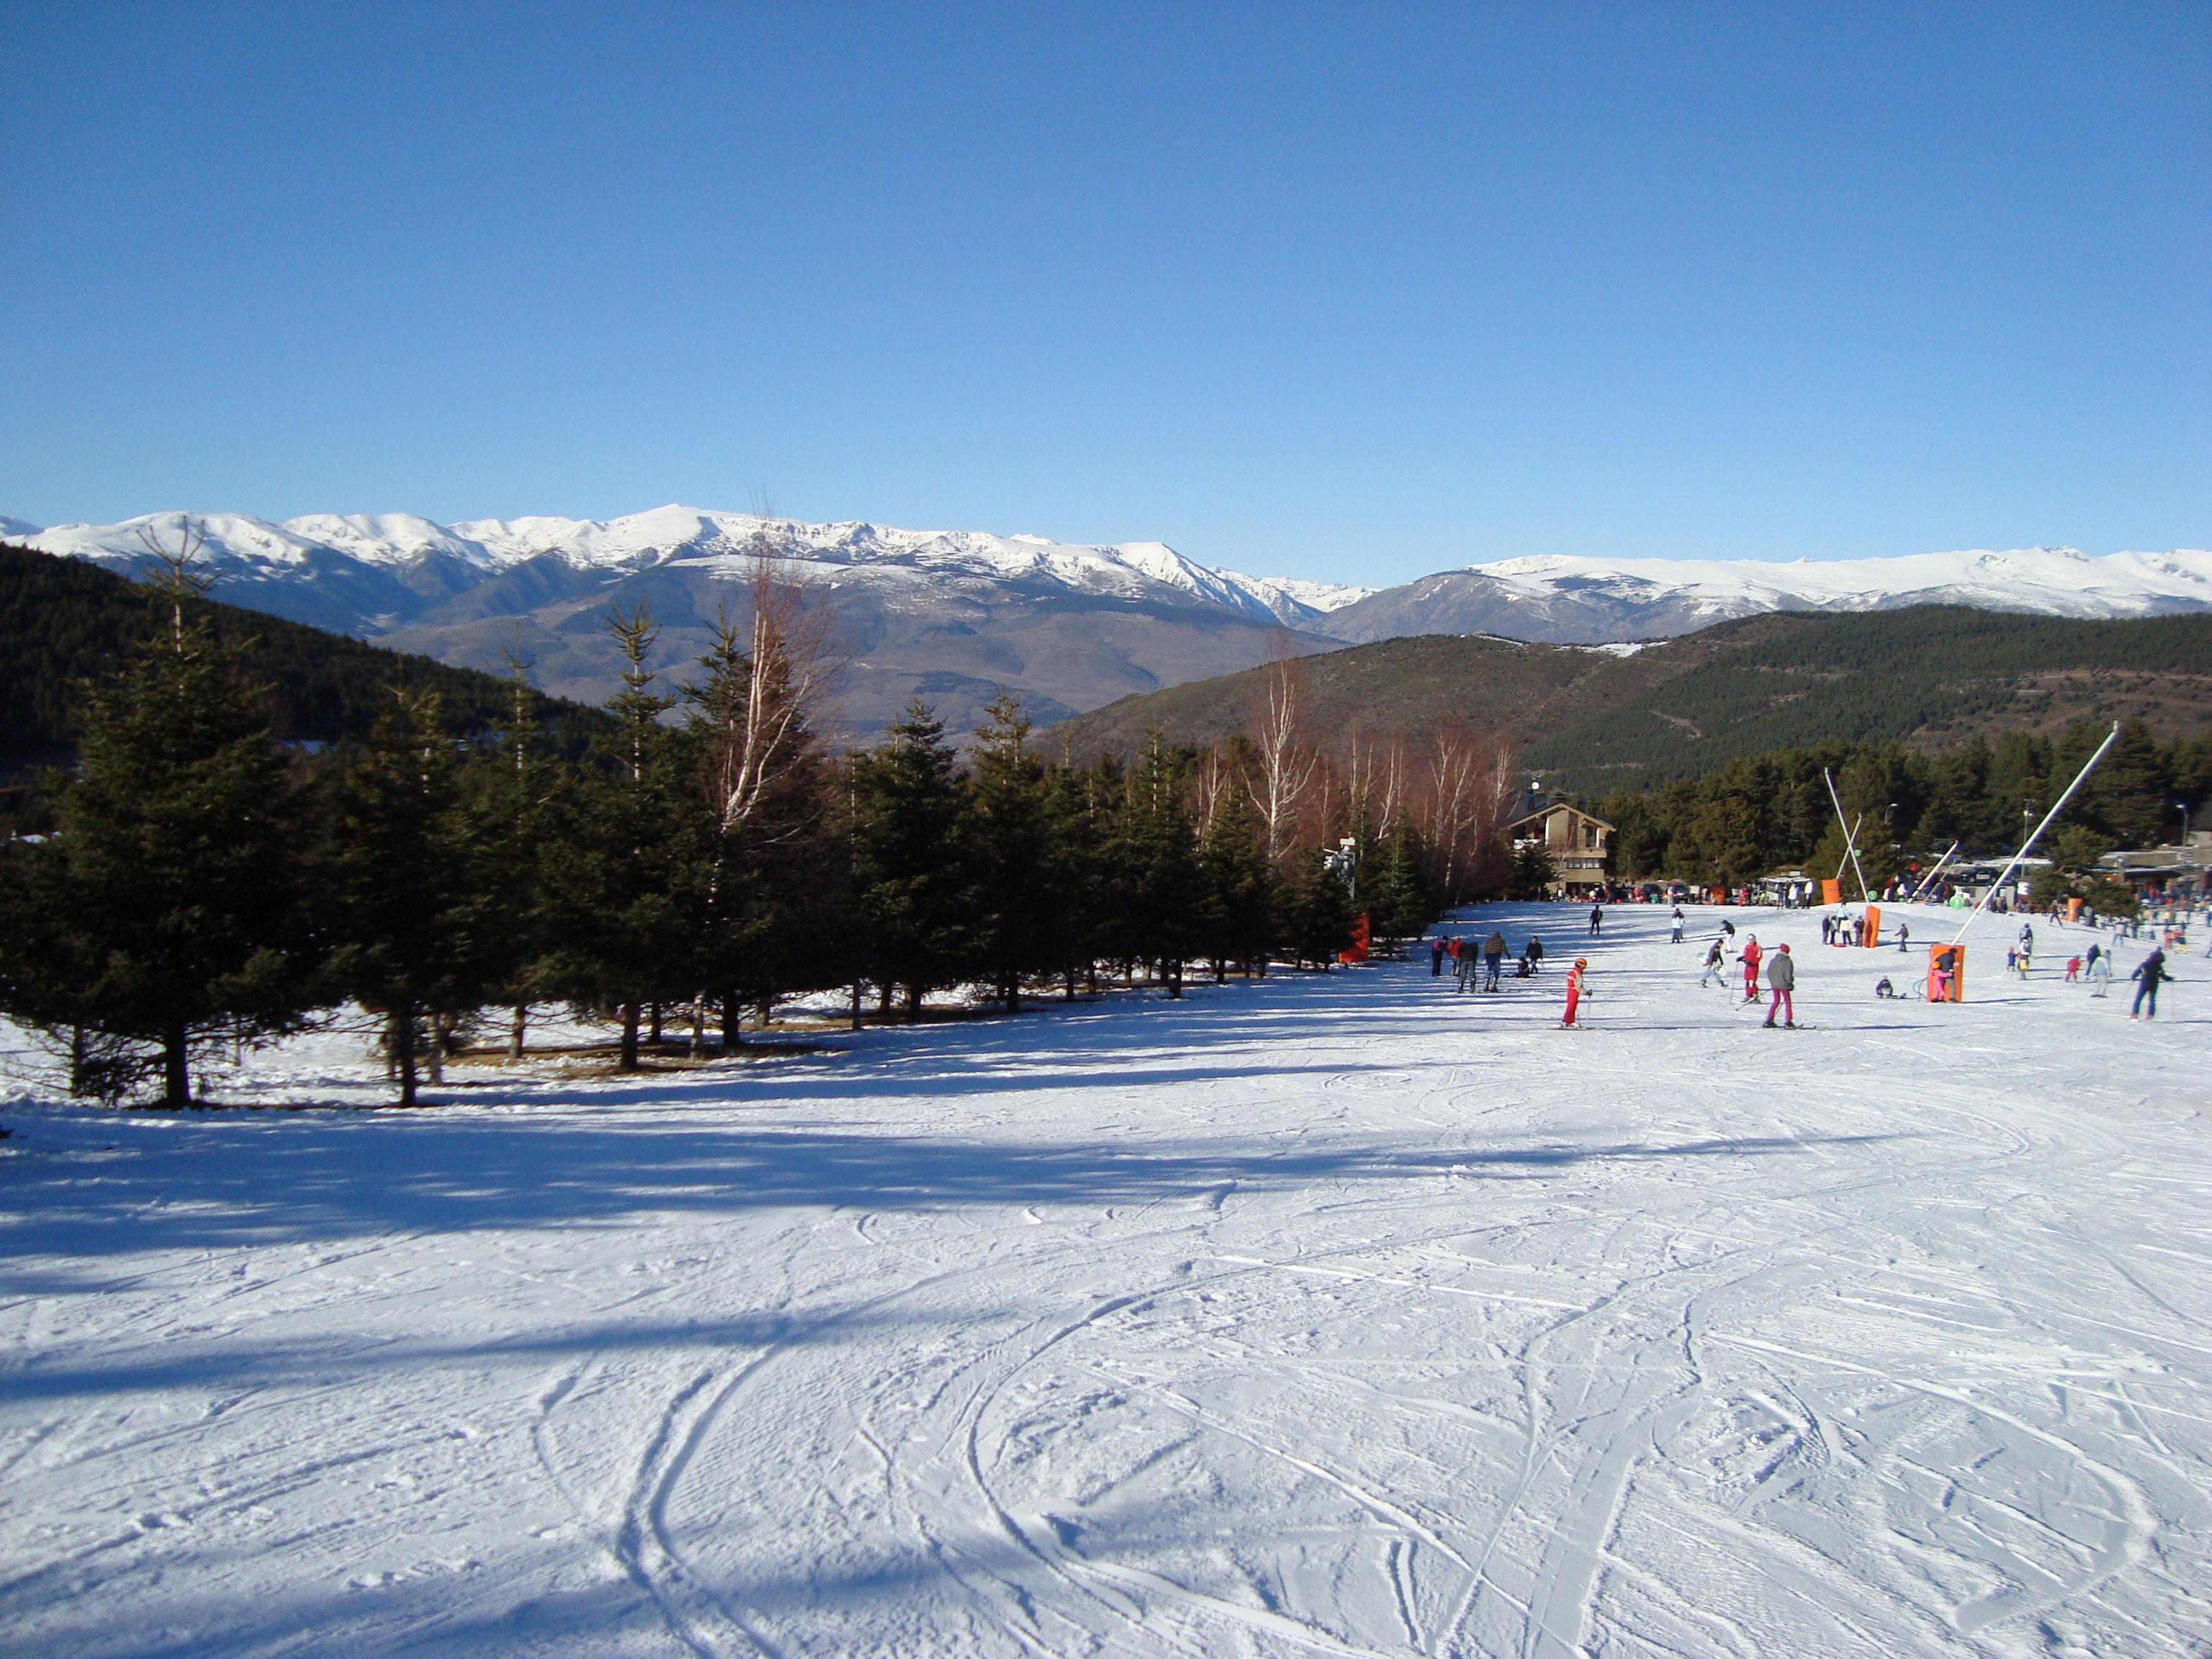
(209, 889)
(1772, 812)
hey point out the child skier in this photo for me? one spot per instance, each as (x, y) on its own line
(1715, 963)
(1750, 958)
(1574, 991)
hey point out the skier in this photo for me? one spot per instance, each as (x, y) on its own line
(1782, 976)
(1574, 991)
(1679, 921)
(1750, 960)
(1535, 955)
(2149, 976)
(1465, 967)
(1597, 918)
(1827, 930)
(1883, 988)
(1493, 958)
(1435, 956)
(2073, 969)
(1903, 934)
(1715, 963)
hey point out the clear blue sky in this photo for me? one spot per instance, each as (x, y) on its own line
(1354, 291)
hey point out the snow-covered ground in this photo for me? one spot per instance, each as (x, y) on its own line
(1325, 1316)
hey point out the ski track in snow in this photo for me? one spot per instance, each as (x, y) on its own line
(1344, 1315)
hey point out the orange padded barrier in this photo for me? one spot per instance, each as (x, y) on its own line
(1946, 973)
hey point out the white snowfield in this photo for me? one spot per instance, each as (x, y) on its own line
(2060, 581)
(1341, 1316)
(301, 550)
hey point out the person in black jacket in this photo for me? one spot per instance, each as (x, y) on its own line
(2149, 976)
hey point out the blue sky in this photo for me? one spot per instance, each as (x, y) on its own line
(1351, 292)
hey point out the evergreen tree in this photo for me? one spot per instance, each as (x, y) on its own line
(2125, 798)
(1236, 920)
(916, 897)
(163, 919)
(623, 878)
(418, 932)
(1315, 912)
(1532, 872)
(1021, 874)
(509, 788)
(1391, 888)
(1079, 844)
(1157, 853)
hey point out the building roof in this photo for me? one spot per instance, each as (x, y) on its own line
(1560, 806)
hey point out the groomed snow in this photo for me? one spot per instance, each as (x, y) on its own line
(1335, 1315)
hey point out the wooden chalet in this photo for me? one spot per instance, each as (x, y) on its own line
(1577, 842)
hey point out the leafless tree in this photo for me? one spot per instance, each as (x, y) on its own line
(183, 575)
(1286, 765)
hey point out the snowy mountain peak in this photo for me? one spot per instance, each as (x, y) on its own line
(319, 549)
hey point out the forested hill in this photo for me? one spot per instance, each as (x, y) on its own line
(64, 622)
(1930, 677)
(1590, 717)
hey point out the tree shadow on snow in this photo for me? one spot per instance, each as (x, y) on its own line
(259, 1179)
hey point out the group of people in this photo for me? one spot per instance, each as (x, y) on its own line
(1485, 963)
(1781, 972)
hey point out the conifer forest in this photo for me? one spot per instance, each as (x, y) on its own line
(207, 888)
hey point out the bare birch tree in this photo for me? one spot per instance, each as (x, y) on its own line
(1287, 765)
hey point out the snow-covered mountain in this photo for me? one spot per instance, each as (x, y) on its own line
(321, 568)
(952, 616)
(947, 616)
(1570, 600)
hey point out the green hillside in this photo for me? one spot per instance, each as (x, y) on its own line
(1593, 717)
(64, 622)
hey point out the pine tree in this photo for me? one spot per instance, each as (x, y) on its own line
(1315, 909)
(418, 934)
(916, 898)
(163, 919)
(1157, 853)
(1020, 872)
(1236, 920)
(1532, 872)
(624, 876)
(1391, 888)
(508, 787)
(2124, 800)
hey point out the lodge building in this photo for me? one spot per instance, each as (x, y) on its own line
(1577, 843)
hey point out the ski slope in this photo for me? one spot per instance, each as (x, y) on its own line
(1335, 1317)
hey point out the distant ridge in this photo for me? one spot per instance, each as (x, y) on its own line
(1586, 600)
(954, 615)
(1591, 715)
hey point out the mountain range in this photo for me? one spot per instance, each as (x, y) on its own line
(953, 615)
